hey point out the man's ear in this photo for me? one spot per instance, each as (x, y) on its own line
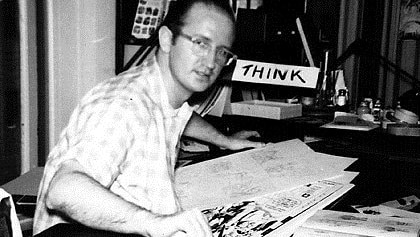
(165, 38)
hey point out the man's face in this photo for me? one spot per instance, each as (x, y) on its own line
(197, 73)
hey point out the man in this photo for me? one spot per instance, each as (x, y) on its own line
(112, 172)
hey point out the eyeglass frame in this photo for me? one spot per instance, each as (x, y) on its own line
(198, 44)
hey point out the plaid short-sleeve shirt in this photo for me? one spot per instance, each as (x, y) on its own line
(126, 135)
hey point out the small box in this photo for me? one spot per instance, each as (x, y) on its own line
(266, 109)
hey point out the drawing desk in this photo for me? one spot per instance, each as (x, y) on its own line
(389, 165)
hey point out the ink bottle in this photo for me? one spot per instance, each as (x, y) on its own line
(377, 110)
(341, 102)
(363, 108)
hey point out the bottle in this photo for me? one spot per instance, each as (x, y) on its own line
(341, 102)
(377, 110)
(369, 103)
(363, 108)
(341, 98)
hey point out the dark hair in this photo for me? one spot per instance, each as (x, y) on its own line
(178, 11)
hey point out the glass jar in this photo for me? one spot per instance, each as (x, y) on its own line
(363, 108)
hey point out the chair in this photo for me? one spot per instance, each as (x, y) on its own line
(9, 223)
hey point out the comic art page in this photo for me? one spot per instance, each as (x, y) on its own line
(254, 173)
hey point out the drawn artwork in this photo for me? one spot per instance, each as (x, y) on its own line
(253, 173)
(242, 219)
(261, 216)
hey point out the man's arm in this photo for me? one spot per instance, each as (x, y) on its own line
(200, 129)
(78, 196)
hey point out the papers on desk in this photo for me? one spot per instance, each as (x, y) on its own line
(254, 173)
(387, 219)
(335, 223)
(264, 192)
(276, 214)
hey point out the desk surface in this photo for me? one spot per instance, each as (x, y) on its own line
(26, 184)
(357, 143)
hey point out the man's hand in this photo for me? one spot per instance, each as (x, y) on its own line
(190, 223)
(200, 129)
(239, 140)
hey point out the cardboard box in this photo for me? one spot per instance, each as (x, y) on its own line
(266, 109)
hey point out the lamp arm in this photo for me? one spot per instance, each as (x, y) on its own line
(414, 81)
(361, 47)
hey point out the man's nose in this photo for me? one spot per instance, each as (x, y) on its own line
(210, 59)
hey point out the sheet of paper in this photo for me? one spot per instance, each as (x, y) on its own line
(345, 177)
(289, 228)
(263, 215)
(363, 224)
(253, 173)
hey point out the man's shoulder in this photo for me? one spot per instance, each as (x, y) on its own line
(131, 81)
(134, 88)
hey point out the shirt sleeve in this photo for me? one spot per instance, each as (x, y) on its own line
(102, 137)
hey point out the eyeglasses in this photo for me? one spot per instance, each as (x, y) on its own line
(202, 48)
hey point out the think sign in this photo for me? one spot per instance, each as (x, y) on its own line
(276, 74)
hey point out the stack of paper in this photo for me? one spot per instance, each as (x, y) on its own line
(335, 223)
(391, 218)
(262, 192)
